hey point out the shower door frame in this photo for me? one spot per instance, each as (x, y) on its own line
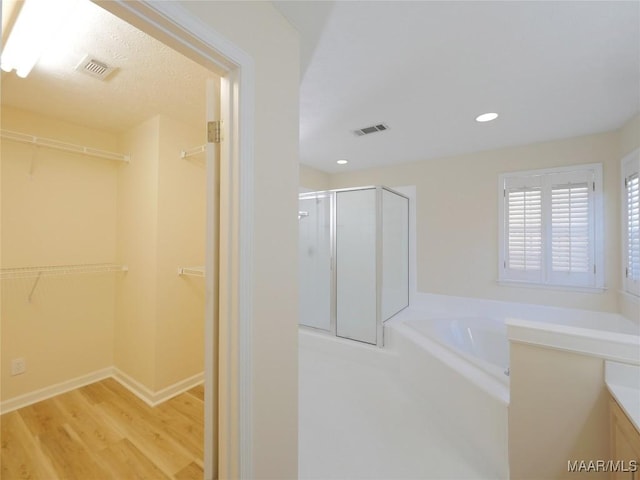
(333, 239)
(332, 198)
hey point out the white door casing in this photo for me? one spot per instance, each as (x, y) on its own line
(230, 247)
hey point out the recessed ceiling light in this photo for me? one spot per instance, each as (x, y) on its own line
(486, 117)
(342, 162)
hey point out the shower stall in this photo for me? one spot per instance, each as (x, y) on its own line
(354, 260)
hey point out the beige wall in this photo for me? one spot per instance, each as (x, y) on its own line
(558, 412)
(61, 208)
(58, 208)
(136, 308)
(267, 37)
(461, 258)
(629, 136)
(159, 337)
(181, 242)
(313, 179)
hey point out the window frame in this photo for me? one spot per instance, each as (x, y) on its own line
(546, 278)
(629, 165)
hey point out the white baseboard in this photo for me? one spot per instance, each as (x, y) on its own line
(150, 397)
(53, 390)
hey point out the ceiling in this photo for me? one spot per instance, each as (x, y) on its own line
(551, 70)
(151, 78)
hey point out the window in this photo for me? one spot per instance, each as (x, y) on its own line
(631, 222)
(551, 227)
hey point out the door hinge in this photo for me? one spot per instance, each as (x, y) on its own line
(594, 269)
(626, 272)
(214, 132)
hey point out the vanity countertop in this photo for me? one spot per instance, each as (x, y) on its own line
(623, 382)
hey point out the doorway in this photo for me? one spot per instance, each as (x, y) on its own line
(142, 14)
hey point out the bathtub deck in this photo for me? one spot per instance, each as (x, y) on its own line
(357, 421)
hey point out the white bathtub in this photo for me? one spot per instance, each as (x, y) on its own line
(473, 348)
(453, 352)
(455, 367)
(482, 341)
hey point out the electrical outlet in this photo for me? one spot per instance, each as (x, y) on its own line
(18, 366)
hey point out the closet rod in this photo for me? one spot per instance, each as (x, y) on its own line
(57, 270)
(192, 271)
(67, 147)
(193, 151)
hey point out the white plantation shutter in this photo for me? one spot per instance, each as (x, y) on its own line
(570, 228)
(633, 227)
(572, 242)
(548, 234)
(523, 228)
(631, 221)
(524, 231)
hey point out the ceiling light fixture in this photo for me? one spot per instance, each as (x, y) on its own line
(342, 162)
(486, 117)
(37, 22)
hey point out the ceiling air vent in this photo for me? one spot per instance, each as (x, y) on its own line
(95, 68)
(372, 129)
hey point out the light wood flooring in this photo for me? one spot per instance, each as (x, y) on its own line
(103, 431)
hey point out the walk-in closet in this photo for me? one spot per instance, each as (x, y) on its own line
(103, 216)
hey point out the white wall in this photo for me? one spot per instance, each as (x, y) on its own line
(263, 33)
(457, 217)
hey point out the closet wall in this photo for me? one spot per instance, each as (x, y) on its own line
(58, 208)
(159, 336)
(145, 325)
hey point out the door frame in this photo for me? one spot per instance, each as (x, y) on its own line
(228, 365)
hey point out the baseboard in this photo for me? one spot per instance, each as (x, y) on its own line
(150, 397)
(53, 390)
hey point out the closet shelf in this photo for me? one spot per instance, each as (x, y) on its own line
(57, 270)
(191, 271)
(58, 145)
(193, 151)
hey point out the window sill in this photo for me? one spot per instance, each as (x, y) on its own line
(548, 286)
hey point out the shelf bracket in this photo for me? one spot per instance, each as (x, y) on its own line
(35, 284)
(193, 151)
(191, 271)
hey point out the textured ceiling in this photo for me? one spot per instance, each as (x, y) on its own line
(427, 69)
(151, 78)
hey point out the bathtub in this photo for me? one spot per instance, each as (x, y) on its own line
(455, 366)
(482, 341)
(475, 348)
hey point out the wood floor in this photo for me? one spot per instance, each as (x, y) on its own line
(103, 431)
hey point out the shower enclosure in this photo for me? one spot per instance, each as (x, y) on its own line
(354, 260)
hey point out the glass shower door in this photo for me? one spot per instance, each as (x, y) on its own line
(395, 253)
(356, 265)
(314, 218)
